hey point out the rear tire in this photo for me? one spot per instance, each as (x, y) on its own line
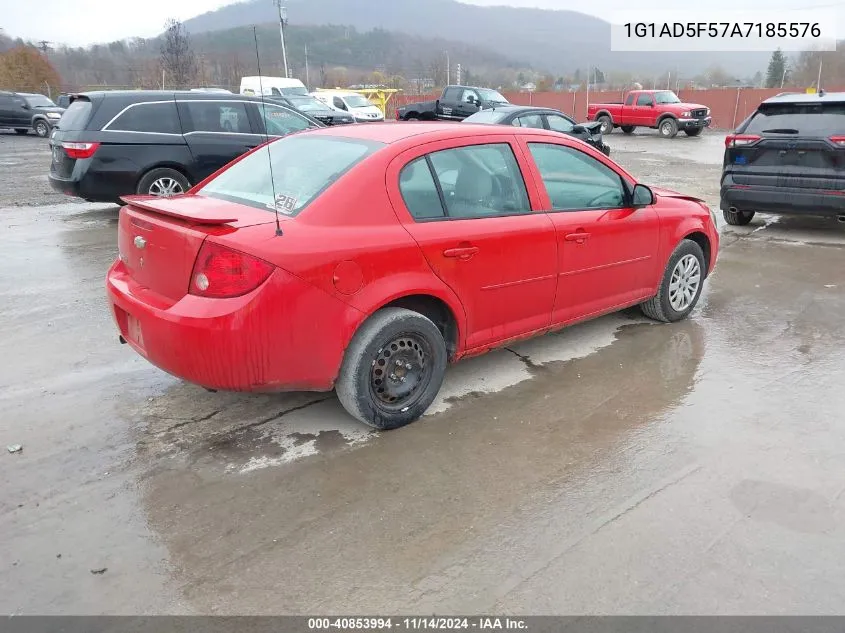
(412, 117)
(21, 131)
(629, 129)
(163, 182)
(606, 124)
(668, 128)
(42, 129)
(392, 369)
(738, 218)
(681, 285)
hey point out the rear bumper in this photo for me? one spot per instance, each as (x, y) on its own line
(94, 185)
(782, 200)
(267, 340)
(692, 124)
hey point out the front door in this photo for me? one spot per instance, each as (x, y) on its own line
(467, 207)
(216, 132)
(607, 249)
(644, 111)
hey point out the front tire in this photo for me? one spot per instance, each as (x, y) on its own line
(668, 128)
(629, 129)
(606, 124)
(21, 131)
(681, 285)
(163, 182)
(42, 129)
(392, 369)
(738, 218)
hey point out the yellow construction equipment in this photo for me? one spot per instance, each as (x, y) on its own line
(377, 96)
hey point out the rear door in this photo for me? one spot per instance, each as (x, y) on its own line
(217, 132)
(796, 145)
(607, 250)
(450, 103)
(467, 206)
(7, 107)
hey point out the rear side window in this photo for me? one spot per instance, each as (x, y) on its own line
(452, 94)
(153, 118)
(629, 100)
(805, 119)
(530, 120)
(217, 116)
(419, 191)
(302, 168)
(76, 117)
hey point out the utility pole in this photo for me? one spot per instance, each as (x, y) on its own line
(448, 70)
(819, 80)
(283, 19)
(307, 82)
(458, 75)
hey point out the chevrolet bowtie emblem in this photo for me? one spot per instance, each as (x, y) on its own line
(140, 242)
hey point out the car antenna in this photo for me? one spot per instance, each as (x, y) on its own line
(266, 134)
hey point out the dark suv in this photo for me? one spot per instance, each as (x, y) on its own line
(787, 158)
(24, 111)
(111, 144)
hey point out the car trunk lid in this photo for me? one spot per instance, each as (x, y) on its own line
(159, 238)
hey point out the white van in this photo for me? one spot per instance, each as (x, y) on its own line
(354, 103)
(272, 86)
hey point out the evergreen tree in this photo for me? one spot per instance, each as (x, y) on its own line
(776, 73)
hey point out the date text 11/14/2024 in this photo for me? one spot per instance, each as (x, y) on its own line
(416, 623)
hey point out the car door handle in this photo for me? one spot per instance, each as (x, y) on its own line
(461, 252)
(580, 237)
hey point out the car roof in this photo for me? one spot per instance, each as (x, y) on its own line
(803, 97)
(396, 131)
(519, 108)
(164, 95)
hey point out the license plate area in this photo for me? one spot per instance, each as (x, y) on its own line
(133, 330)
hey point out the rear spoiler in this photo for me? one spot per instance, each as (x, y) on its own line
(193, 209)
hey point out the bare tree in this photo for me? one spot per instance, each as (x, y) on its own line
(177, 58)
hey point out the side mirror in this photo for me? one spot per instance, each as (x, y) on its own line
(472, 100)
(651, 105)
(643, 196)
(25, 106)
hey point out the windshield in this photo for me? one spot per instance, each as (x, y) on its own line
(307, 104)
(296, 90)
(666, 96)
(39, 101)
(357, 101)
(491, 95)
(302, 168)
(806, 119)
(485, 116)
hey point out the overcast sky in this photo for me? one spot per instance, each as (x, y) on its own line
(79, 22)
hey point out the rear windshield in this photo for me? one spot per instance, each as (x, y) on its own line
(485, 116)
(806, 119)
(302, 168)
(76, 117)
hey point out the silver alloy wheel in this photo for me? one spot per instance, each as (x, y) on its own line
(606, 125)
(666, 127)
(41, 129)
(165, 187)
(683, 287)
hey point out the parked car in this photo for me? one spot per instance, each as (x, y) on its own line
(455, 104)
(110, 144)
(272, 86)
(366, 258)
(353, 103)
(316, 109)
(24, 111)
(543, 119)
(658, 109)
(787, 158)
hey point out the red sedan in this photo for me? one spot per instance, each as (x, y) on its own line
(366, 258)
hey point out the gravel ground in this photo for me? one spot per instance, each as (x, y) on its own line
(26, 163)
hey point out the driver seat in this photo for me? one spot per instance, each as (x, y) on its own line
(473, 193)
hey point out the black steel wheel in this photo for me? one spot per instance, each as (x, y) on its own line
(392, 369)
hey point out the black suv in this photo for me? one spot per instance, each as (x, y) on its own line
(111, 144)
(24, 111)
(787, 158)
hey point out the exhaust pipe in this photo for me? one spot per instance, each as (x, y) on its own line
(840, 219)
(733, 209)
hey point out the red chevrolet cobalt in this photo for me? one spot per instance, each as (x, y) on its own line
(365, 259)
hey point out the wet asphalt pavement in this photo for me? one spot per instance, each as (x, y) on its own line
(617, 467)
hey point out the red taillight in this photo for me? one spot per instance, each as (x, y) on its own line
(80, 150)
(221, 272)
(839, 140)
(738, 140)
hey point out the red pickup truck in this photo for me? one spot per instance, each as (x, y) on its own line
(659, 109)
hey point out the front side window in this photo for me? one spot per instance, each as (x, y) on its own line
(480, 181)
(218, 116)
(469, 96)
(153, 118)
(302, 167)
(644, 100)
(559, 124)
(338, 103)
(280, 121)
(576, 181)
